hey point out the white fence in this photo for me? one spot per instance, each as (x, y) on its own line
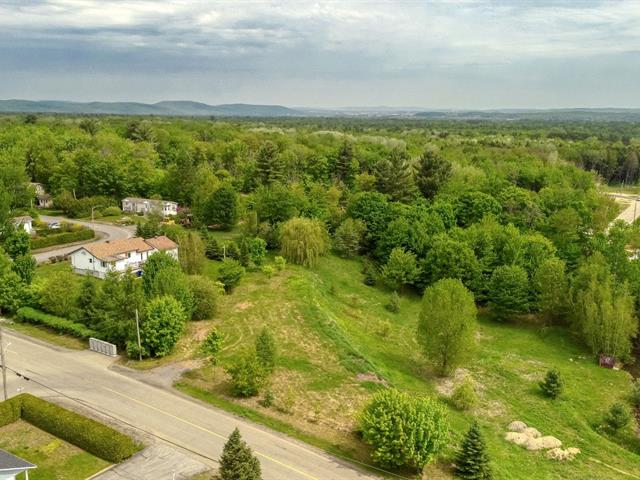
(103, 347)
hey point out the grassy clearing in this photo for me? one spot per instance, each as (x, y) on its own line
(338, 344)
(49, 336)
(55, 458)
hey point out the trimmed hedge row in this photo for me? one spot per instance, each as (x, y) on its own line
(60, 238)
(91, 436)
(59, 324)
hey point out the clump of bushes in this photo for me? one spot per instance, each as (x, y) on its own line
(393, 305)
(59, 324)
(464, 396)
(230, 273)
(111, 211)
(60, 238)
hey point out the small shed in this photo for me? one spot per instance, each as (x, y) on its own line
(11, 466)
(25, 222)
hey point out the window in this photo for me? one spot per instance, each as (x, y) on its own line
(104, 264)
(129, 255)
(91, 260)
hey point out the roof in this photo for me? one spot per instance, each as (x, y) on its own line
(11, 462)
(23, 219)
(149, 200)
(112, 250)
(162, 243)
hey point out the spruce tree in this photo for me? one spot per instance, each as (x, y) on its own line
(394, 176)
(343, 165)
(269, 168)
(552, 385)
(266, 349)
(237, 461)
(432, 172)
(472, 461)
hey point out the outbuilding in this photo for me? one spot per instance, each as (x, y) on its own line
(11, 466)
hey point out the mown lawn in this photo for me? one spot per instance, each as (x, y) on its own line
(55, 458)
(338, 344)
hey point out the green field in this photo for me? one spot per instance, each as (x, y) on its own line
(55, 458)
(337, 344)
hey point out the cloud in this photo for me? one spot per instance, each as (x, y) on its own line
(372, 43)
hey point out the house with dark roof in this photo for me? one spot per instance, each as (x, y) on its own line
(148, 205)
(120, 255)
(11, 466)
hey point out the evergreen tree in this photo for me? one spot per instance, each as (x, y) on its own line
(551, 386)
(472, 461)
(343, 165)
(269, 168)
(395, 177)
(266, 349)
(222, 208)
(237, 461)
(432, 172)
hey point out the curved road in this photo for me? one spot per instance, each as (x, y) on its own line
(88, 378)
(108, 231)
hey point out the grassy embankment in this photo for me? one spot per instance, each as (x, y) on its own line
(338, 344)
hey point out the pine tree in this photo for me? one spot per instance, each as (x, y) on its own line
(433, 171)
(394, 177)
(472, 461)
(343, 165)
(552, 385)
(237, 461)
(269, 168)
(266, 349)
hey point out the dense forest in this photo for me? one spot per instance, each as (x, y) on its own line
(505, 217)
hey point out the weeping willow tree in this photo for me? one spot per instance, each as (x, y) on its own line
(303, 241)
(604, 309)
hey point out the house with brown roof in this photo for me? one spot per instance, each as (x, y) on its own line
(120, 255)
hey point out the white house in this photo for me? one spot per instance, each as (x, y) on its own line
(24, 222)
(128, 253)
(11, 466)
(42, 197)
(147, 205)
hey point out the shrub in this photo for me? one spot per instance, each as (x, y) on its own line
(401, 269)
(10, 410)
(347, 240)
(212, 345)
(551, 386)
(393, 305)
(111, 211)
(59, 324)
(370, 272)
(635, 393)
(268, 399)
(280, 263)
(464, 395)
(617, 417)
(508, 291)
(85, 433)
(206, 294)
(303, 241)
(247, 376)
(268, 270)
(403, 430)
(161, 328)
(257, 251)
(230, 273)
(60, 238)
(266, 350)
(213, 249)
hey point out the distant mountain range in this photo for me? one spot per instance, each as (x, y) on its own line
(196, 109)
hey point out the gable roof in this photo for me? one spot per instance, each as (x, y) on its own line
(23, 219)
(113, 250)
(11, 462)
(148, 200)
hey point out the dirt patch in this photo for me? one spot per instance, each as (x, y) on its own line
(370, 377)
(242, 306)
(445, 386)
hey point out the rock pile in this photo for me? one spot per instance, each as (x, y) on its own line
(531, 439)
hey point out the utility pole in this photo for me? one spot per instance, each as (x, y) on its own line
(4, 366)
(138, 332)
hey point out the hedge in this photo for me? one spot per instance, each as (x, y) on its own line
(89, 435)
(60, 238)
(59, 324)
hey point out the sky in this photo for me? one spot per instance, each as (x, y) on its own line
(411, 53)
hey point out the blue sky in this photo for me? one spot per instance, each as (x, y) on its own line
(440, 54)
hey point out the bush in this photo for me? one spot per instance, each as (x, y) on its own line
(280, 263)
(347, 240)
(247, 376)
(635, 393)
(161, 328)
(212, 345)
(59, 324)
(370, 272)
(401, 269)
(60, 238)
(551, 386)
(403, 430)
(85, 433)
(10, 410)
(464, 396)
(617, 417)
(268, 270)
(111, 211)
(206, 294)
(393, 305)
(230, 273)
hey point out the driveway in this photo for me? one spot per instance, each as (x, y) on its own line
(199, 429)
(105, 231)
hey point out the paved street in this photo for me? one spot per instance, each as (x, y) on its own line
(108, 232)
(86, 376)
(631, 210)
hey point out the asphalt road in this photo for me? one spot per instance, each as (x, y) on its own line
(631, 209)
(86, 376)
(107, 231)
